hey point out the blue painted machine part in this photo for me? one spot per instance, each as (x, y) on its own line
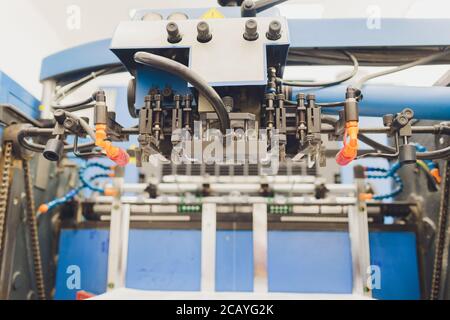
(304, 33)
(97, 54)
(348, 33)
(93, 55)
(151, 78)
(431, 103)
(298, 261)
(13, 93)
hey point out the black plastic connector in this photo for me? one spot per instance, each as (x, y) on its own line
(407, 154)
(54, 150)
(351, 107)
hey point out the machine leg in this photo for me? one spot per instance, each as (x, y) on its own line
(359, 238)
(260, 240)
(208, 264)
(118, 243)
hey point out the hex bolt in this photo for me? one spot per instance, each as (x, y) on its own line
(408, 113)
(251, 30)
(387, 120)
(204, 34)
(167, 92)
(229, 103)
(274, 32)
(173, 33)
(402, 120)
(311, 98)
(70, 124)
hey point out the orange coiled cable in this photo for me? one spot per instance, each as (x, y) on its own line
(116, 154)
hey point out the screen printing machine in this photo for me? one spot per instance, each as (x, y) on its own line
(212, 176)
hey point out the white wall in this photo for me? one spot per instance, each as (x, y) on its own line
(25, 39)
(33, 29)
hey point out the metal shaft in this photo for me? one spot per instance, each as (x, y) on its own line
(33, 230)
(441, 235)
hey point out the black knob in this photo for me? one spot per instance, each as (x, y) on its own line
(274, 32)
(248, 9)
(54, 150)
(251, 30)
(60, 116)
(173, 33)
(204, 34)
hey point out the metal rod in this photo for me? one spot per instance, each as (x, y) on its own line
(260, 244)
(208, 263)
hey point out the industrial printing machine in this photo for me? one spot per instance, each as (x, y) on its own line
(212, 175)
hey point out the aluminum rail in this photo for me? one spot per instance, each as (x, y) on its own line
(227, 200)
(219, 188)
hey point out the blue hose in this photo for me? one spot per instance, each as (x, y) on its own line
(386, 174)
(86, 183)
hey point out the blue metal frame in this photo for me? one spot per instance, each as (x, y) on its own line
(298, 261)
(351, 33)
(428, 103)
(92, 55)
(13, 93)
(304, 33)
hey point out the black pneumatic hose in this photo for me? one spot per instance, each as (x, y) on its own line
(428, 155)
(39, 148)
(180, 70)
(75, 105)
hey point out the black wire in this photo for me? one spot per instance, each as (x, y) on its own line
(388, 154)
(330, 120)
(432, 184)
(374, 144)
(190, 76)
(434, 155)
(295, 83)
(331, 104)
(323, 105)
(76, 105)
(39, 148)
